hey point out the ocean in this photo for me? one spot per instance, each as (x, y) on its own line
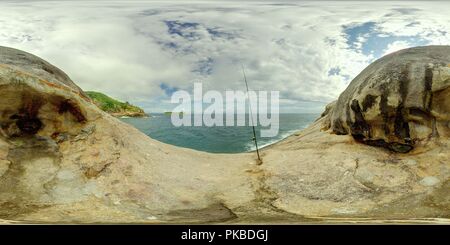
(217, 139)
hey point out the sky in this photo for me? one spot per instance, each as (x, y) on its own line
(144, 51)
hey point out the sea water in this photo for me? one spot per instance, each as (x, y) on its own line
(217, 139)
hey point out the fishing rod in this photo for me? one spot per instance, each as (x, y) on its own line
(251, 117)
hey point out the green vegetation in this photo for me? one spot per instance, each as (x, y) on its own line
(115, 107)
(169, 113)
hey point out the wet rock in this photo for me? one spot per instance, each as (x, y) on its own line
(399, 101)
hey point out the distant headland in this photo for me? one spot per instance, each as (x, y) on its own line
(114, 107)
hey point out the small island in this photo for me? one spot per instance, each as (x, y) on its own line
(114, 107)
(169, 113)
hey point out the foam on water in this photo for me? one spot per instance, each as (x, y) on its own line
(251, 145)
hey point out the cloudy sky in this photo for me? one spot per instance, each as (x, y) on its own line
(144, 51)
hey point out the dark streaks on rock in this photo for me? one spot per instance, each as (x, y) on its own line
(368, 102)
(427, 98)
(68, 106)
(359, 128)
(407, 113)
(401, 126)
(339, 128)
(384, 110)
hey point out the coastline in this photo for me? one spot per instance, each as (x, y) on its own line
(284, 137)
(221, 139)
(124, 116)
(94, 168)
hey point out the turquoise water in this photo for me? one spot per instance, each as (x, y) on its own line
(226, 139)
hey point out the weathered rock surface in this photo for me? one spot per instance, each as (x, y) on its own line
(64, 160)
(399, 101)
(38, 97)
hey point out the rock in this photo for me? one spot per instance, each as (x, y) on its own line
(429, 181)
(398, 102)
(344, 210)
(328, 108)
(62, 159)
(38, 98)
(410, 162)
(32, 65)
(4, 166)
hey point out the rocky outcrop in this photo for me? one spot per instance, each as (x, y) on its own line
(114, 107)
(37, 98)
(398, 102)
(62, 159)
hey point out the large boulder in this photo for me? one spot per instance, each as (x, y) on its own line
(38, 98)
(399, 101)
(62, 159)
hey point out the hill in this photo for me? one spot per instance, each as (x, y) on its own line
(115, 107)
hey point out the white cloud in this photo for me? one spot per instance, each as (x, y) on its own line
(126, 50)
(396, 46)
